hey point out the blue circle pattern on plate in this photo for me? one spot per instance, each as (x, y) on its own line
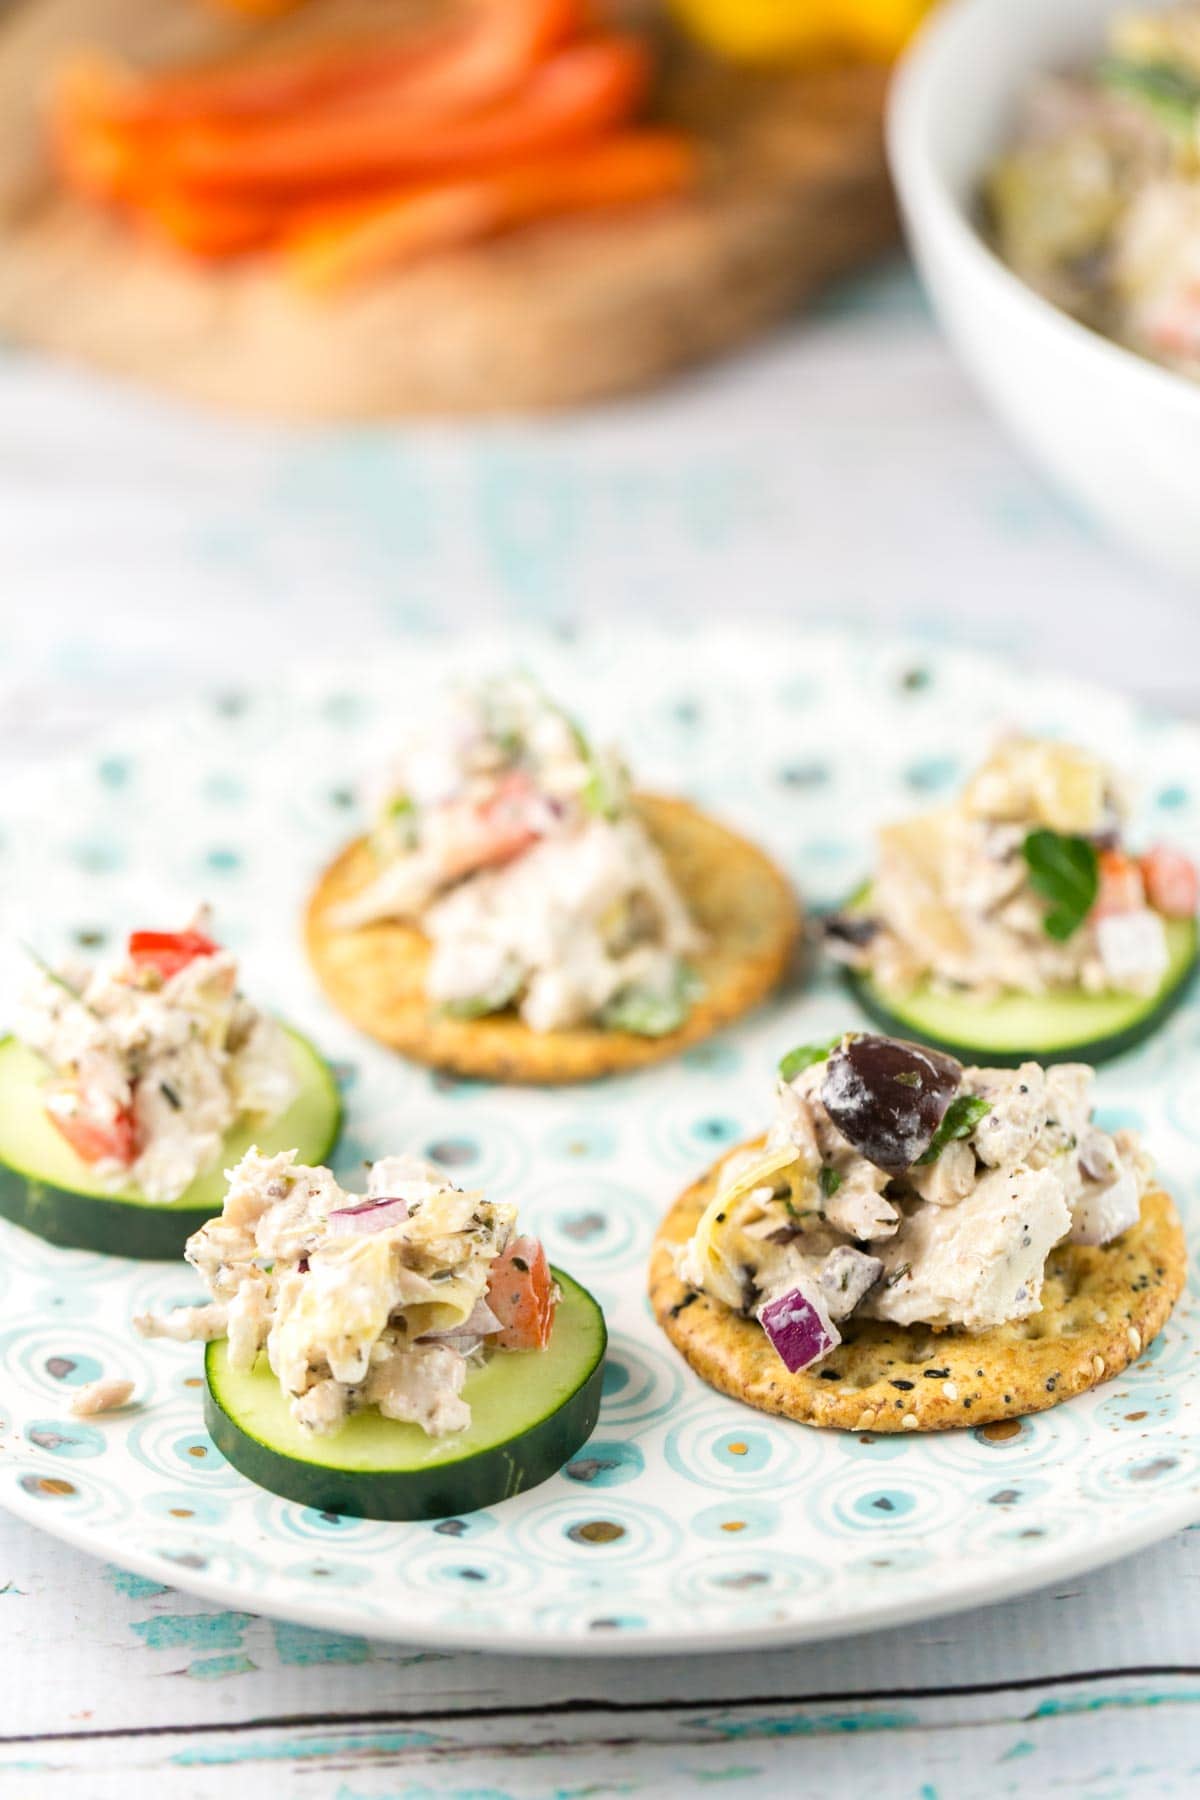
(336, 1532)
(582, 1142)
(1032, 1442)
(745, 1520)
(766, 1574)
(186, 1505)
(587, 1536)
(741, 1451)
(685, 1136)
(473, 1573)
(604, 1465)
(685, 1506)
(82, 1495)
(70, 1438)
(641, 1383)
(591, 1224)
(990, 1532)
(171, 1440)
(54, 1360)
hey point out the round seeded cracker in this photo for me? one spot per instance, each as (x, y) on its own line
(744, 904)
(1100, 1308)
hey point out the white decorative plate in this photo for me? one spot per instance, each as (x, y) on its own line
(689, 1522)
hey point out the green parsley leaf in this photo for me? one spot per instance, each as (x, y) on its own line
(805, 1055)
(649, 1013)
(396, 828)
(1166, 89)
(830, 1180)
(958, 1121)
(600, 795)
(480, 1006)
(1065, 871)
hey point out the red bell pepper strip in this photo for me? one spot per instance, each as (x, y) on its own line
(93, 1138)
(522, 1296)
(169, 951)
(1172, 882)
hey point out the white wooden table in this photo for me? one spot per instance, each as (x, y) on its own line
(114, 1687)
(845, 474)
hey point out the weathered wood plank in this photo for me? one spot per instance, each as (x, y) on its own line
(87, 1648)
(1119, 1747)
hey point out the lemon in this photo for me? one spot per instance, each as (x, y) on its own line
(791, 31)
(765, 31)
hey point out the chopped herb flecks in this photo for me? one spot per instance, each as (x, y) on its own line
(958, 1121)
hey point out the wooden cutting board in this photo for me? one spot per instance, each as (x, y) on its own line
(558, 315)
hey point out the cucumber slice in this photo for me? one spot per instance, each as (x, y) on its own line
(531, 1410)
(1065, 1027)
(48, 1189)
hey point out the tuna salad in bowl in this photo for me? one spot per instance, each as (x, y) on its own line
(518, 911)
(916, 1244)
(1018, 919)
(127, 1088)
(1118, 430)
(1096, 200)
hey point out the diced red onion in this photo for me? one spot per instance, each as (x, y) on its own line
(799, 1328)
(375, 1214)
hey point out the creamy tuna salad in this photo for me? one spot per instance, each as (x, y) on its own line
(1022, 884)
(895, 1184)
(1097, 202)
(152, 1059)
(385, 1300)
(513, 843)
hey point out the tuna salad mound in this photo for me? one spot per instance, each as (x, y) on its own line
(512, 842)
(1022, 889)
(518, 913)
(381, 1301)
(1096, 204)
(901, 1198)
(153, 1060)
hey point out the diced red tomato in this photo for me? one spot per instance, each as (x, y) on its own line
(1172, 882)
(521, 1294)
(93, 1135)
(481, 837)
(169, 951)
(1121, 887)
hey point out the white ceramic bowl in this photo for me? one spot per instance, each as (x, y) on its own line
(1119, 433)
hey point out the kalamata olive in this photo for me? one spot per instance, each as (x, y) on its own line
(887, 1097)
(848, 932)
